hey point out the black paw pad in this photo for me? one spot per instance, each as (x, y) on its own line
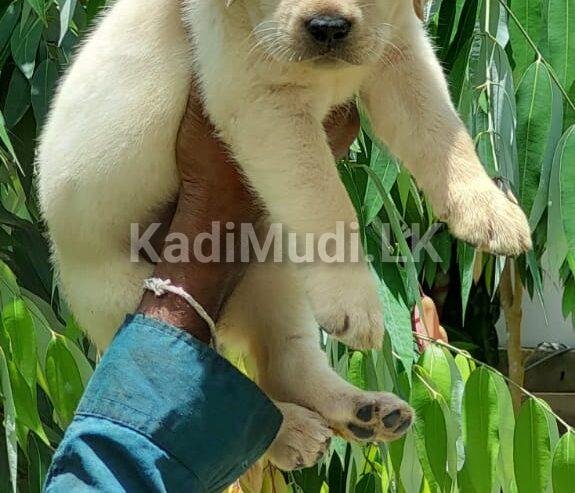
(360, 432)
(365, 413)
(402, 428)
(392, 419)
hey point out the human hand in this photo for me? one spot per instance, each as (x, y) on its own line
(213, 190)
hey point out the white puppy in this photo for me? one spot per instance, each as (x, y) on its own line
(270, 71)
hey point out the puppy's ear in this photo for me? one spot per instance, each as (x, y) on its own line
(419, 7)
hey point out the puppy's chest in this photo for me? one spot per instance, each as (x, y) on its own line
(330, 90)
(312, 89)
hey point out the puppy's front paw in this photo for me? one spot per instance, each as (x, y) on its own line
(489, 218)
(346, 305)
(302, 441)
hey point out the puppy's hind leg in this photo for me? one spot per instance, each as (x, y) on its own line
(282, 336)
(304, 435)
(298, 371)
(102, 292)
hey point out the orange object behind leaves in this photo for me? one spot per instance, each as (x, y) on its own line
(429, 326)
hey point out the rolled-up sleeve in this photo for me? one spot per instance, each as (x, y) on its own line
(162, 412)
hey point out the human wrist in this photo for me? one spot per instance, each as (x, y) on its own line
(209, 279)
(209, 284)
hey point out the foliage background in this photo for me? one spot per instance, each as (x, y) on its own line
(511, 68)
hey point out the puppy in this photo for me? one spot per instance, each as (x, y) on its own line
(270, 71)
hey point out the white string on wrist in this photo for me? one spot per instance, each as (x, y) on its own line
(162, 286)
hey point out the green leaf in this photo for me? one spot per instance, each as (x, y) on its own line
(5, 139)
(529, 15)
(39, 459)
(5, 480)
(505, 471)
(19, 327)
(336, 474)
(422, 396)
(465, 260)
(397, 319)
(403, 187)
(44, 319)
(387, 360)
(17, 99)
(435, 362)
(24, 43)
(456, 455)
(464, 32)
(411, 474)
(26, 405)
(541, 199)
(385, 167)
(351, 479)
(66, 12)
(465, 365)
(559, 22)
(563, 470)
(561, 216)
(395, 222)
(568, 301)
(435, 436)
(532, 448)
(432, 386)
(9, 410)
(494, 113)
(492, 19)
(356, 371)
(8, 285)
(480, 432)
(7, 23)
(539, 121)
(63, 379)
(42, 85)
(367, 484)
(39, 7)
(445, 24)
(374, 380)
(396, 452)
(442, 243)
(569, 111)
(567, 184)
(536, 275)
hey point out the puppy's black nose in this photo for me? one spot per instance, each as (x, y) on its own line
(328, 29)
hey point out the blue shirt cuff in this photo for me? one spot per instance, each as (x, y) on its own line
(175, 391)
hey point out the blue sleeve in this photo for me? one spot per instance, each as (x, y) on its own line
(162, 413)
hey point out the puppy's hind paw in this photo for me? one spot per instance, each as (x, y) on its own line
(302, 441)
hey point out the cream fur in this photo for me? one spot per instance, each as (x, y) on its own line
(106, 160)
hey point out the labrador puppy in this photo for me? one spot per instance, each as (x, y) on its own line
(269, 71)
